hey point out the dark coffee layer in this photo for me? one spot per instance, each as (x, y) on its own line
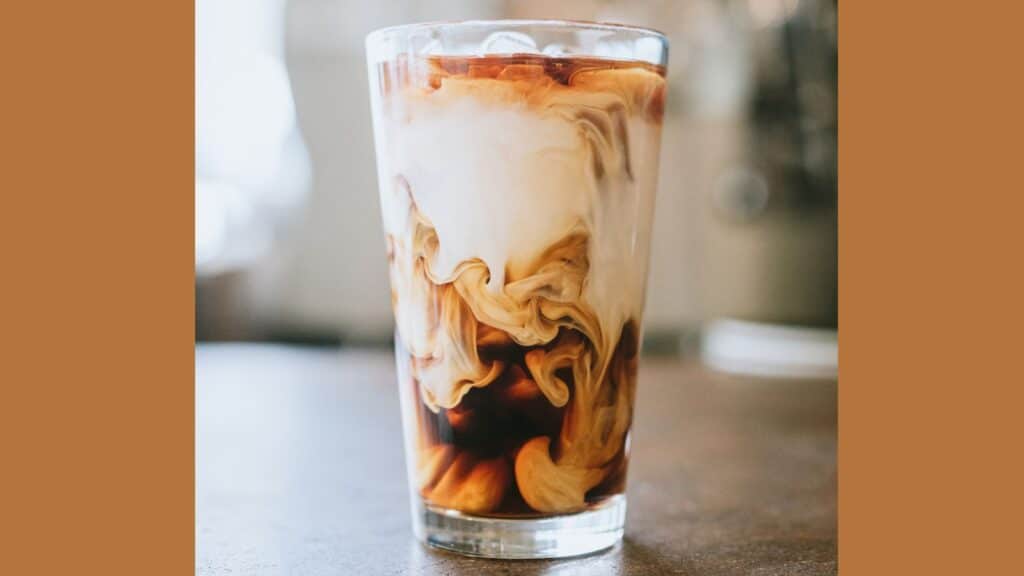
(467, 453)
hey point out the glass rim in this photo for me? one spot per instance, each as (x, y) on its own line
(515, 22)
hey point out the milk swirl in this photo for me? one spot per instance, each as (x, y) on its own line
(517, 196)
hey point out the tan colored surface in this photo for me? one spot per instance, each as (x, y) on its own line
(300, 471)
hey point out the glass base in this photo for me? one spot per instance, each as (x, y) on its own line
(523, 538)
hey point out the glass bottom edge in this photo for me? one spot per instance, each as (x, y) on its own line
(522, 538)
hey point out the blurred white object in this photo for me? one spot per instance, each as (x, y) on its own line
(251, 164)
(752, 348)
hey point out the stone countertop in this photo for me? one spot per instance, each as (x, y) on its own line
(299, 470)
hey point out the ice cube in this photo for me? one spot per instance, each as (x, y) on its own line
(556, 50)
(614, 50)
(425, 43)
(509, 43)
(430, 48)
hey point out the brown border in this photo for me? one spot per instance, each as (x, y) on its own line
(929, 274)
(98, 290)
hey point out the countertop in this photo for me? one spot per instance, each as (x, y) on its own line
(299, 470)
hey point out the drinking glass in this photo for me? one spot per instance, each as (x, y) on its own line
(517, 165)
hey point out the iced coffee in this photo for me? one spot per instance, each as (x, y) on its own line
(517, 194)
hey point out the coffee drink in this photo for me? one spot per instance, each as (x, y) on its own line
(517, 194)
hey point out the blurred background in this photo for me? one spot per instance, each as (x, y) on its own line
(289, 245)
